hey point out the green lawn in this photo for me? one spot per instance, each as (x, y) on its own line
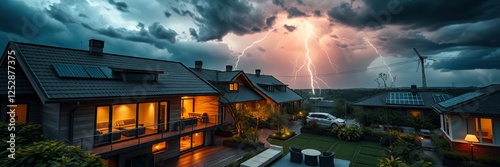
(360, 153)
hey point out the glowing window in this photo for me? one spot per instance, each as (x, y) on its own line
(233, 86)
(21, 112)
(159, 146)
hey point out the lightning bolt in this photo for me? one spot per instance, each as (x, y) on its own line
(334, 66)
(383, 60)
(248, 47)
(309, 60)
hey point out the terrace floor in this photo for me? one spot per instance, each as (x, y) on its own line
(285, 161)
(217, 156)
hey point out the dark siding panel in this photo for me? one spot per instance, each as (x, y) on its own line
(50, 121)
(172, 151)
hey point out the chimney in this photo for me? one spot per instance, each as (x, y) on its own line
(96, 46)
(229, 68)
(198, 65)
(413, 89)
(257, 72)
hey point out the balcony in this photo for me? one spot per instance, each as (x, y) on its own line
(116, 140)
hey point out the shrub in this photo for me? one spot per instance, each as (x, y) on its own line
(455, 156)
(489, 160)
(391, 162)
(440, 143)
(53, 153)
(407, 152)
(348, 133)
(393, 136)
(313, 123)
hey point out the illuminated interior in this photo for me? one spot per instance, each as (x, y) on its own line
(415, 113)
(102, 118)
(486, 127)
(148, 116)
(233, 86)
(21, 112)
(123, 112)
(191, 141)
(187, 107)
(159, 146)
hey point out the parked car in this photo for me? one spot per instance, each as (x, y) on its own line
(325, 119)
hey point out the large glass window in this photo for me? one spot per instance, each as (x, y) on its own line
(187, 106)
(102, 119)
(484, 130)
(148, 117)
(124, 119)
(159, 146)
(162, 125)
(191, 141)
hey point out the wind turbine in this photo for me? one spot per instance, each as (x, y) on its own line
(421, 62)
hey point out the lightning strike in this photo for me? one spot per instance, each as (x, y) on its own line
(248, 47)
(309, 60)
(383, 60)
(334, 66)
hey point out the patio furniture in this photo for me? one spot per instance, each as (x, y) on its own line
(327, 159)
(264, 158)
(311, 156)
(295, 155)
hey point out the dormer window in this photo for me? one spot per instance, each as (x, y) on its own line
(282, 88)
(270, 88)
(233, 86)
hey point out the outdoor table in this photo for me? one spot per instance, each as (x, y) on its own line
(311, 156)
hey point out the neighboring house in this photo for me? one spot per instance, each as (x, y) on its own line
(404, 103)
(275, 92)
(235, 86)
(323, 106)
(129, 110)
(476, 113)
(241, 88)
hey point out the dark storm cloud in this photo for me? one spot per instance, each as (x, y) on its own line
(182, 12)
(270, 21)
(280, 3)
(317, 13)
(59, 15)
(160, 32)
(294, 12)
(427, 14)
(24, 21)
(300, 2)
(193, 33)
(121, 6)
(290, 28)
(484, 58)
(334, 36)
(167, 14)
(215, 19)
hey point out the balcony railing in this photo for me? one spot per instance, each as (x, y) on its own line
(124, 138)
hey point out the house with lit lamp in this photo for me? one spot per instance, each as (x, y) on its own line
(129, 110)
(472, 118)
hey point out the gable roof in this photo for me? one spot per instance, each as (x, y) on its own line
(37, 62)
(485, 102)
(259, 81)
(221, 78)
(380, 100)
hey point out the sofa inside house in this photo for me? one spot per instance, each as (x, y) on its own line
(102, 134)
(127, 127)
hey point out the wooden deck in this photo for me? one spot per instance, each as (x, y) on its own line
(206, 156)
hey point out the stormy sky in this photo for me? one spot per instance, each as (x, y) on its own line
(343, 44)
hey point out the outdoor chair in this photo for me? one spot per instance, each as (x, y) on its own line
(295, 155)
(327, 159)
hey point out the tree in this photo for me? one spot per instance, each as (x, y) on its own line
(261, 112)
(239, 115)
(382, 77)
(278, 118)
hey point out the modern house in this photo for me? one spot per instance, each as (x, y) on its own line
(129, 110)
(476, 113)
(404, 103)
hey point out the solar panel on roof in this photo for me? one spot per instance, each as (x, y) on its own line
(459, 99)
(440, 97)
(94, 72)
(404, 98)
(70, 70)
(107, 71)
